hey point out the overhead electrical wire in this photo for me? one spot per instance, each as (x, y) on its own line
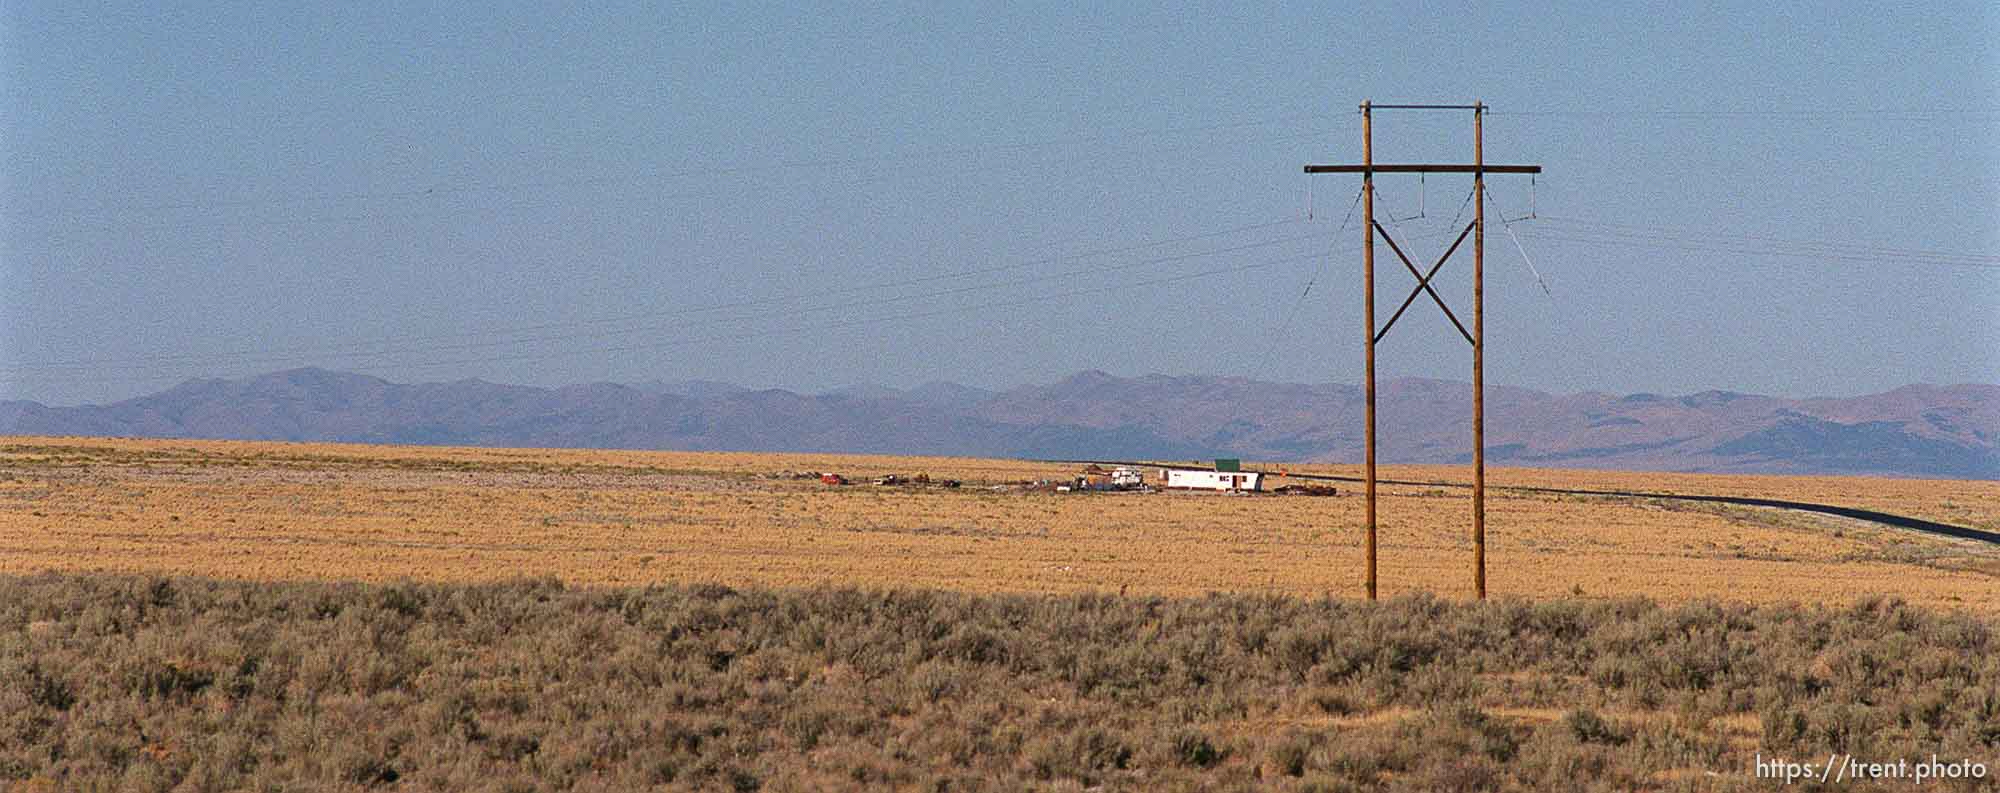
(589, 335)
(1698, 246)
(1628, 235)
(849, 323)
(1284, 326)
(1461, 206)
(83, 378)
(1844, 247)
(1567, 230)
(401, 345)
(366, 346)
(1886, 114)
(792, 164)
(228, 223)
(1508, 226)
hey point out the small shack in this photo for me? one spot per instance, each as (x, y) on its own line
(1096, 477)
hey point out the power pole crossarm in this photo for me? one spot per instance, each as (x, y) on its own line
(1424, 168)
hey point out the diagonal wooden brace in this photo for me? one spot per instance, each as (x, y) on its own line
(1424, 282)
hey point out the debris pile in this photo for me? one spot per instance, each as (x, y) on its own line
(919, 480)
(826, 477)
(1307, 490)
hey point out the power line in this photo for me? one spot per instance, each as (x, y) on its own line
(1635, 229)
(731, 338)
(214, 221)
(1887, 114)
(361, 348)
(767, 315)
(1593, 232)
(1284, 327)
(1695, 246)
(792, 164)
(1508, 226)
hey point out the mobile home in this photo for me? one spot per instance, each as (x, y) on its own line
(1180, 479)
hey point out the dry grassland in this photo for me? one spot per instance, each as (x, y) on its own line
(279, 511)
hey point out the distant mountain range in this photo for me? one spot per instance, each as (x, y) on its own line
(1917, 430)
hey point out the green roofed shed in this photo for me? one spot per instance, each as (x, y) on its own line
(1228, 464)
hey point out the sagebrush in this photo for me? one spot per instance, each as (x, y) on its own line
(120, 683)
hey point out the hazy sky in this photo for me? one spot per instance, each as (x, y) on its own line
(1736, 197)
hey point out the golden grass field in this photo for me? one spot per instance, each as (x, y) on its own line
(262, 511)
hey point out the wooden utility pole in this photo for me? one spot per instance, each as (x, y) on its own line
(1368, 284)
(1479, 348)
(1476, 337)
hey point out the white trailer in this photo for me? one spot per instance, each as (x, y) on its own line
(1182, 479)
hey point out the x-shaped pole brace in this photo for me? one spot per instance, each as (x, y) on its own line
(1424, 282)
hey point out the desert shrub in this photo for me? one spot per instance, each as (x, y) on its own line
(1464, 729)
(1288, 753)
(1193, 749)
(113, 682)
(47, 690)
(1588, 727)
(1334, 702)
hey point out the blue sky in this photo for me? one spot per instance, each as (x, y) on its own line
(988, 194)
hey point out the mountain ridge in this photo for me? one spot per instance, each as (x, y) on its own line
(1920, 429)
